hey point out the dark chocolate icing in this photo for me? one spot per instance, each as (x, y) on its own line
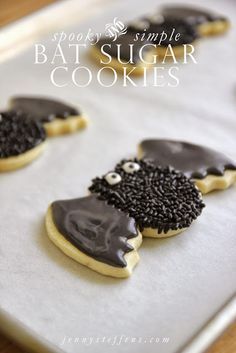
(43, 109)
(193, 16)
(193, 160)
(153, 29)
(18, 134)
(155, 197)
(125, 41)
(97, 229)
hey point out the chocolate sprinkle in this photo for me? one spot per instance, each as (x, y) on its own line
(156, 197)
(18, 135)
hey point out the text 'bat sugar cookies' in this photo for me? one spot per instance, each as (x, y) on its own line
(209, 169)
(103, 231)
(57, 117)
(21, 140)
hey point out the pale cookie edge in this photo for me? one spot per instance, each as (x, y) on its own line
(214, 182)
(153, 233)
(213, 28)
(15, 162)
(65, 126)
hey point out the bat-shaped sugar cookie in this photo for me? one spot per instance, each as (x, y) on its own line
(103, 231)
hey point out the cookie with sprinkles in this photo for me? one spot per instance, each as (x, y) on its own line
(162, 201)
(21, 140)
(57, 117)
(209, 169)
(104, 230)
(207, 22)
(95, 234)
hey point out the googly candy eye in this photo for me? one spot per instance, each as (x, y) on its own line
(130, 167)
(113, 178)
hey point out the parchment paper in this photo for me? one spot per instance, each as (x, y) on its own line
(180, 282)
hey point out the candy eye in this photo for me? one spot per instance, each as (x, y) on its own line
(113, 178)
(130, 167)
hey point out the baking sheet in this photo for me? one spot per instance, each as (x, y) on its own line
(180, 282)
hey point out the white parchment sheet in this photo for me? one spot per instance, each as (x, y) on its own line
(180, 282)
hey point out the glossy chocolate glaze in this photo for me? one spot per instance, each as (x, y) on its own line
(42, 109)
(193, 160)
(95, 228)
(193, 16)
(125, 41)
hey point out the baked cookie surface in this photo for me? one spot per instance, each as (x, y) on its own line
(21, 140)
(210, 169)
(57, 117)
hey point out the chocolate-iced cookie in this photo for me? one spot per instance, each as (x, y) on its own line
(162, 201)
(95, 234)
(104, 230)
(206, 22)
(125, 52)
(21, 140)
(209, 169)
(57, 117)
